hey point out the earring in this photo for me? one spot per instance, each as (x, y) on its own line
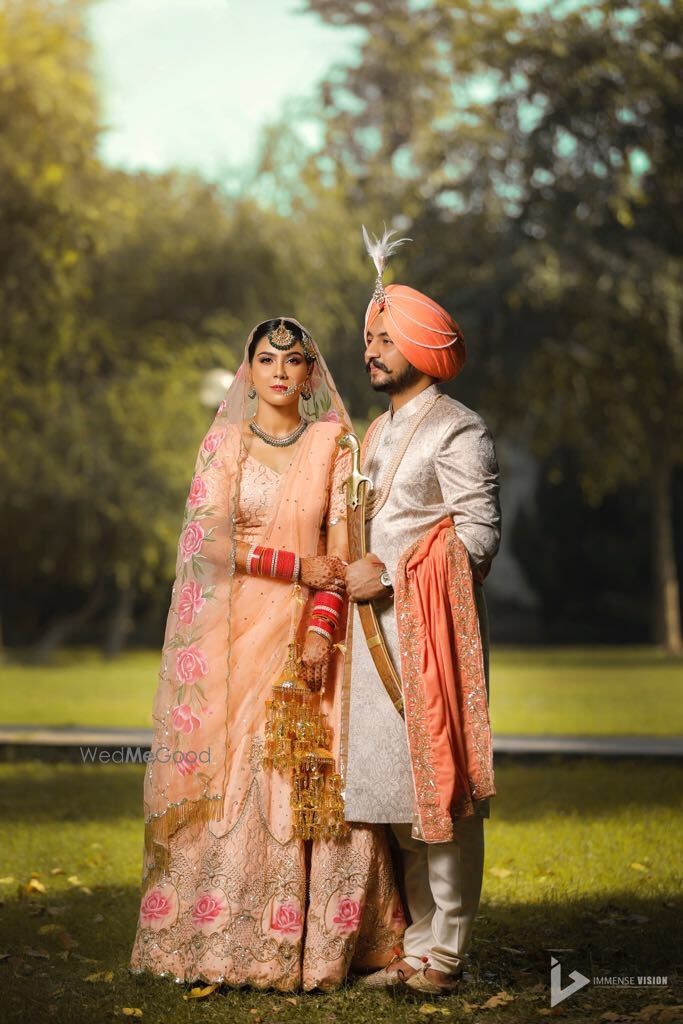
(251, 393)
(306, 393)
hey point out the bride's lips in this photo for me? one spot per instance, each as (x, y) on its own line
(278, 387)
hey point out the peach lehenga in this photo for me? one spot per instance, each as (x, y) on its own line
(228, 893)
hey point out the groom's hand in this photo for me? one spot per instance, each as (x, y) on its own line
(362, 579)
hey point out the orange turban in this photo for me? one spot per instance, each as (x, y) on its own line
(421, 329)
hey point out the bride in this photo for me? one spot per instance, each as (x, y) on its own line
(234, 888)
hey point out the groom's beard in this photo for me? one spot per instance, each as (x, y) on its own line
(397, 382)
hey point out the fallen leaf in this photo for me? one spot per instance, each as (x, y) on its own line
(500, 872)
(292, 1000)
(50, 929)
(500, 999)
(100, 976)
(511, 949)
(131, 1011)
(429, 1008)
(56, 871)
(8, 880)
(200, 992)
(34, 885)
(638, 867)
(74, 880)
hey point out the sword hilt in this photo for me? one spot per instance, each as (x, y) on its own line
(356, 478)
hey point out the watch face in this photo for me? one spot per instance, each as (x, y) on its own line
(385, 578)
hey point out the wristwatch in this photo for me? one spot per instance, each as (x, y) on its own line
(385, 580)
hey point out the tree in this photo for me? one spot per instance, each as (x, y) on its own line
(540, 152)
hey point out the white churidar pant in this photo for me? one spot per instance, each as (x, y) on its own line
(443, 886)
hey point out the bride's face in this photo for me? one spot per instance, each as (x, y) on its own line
(273, 373)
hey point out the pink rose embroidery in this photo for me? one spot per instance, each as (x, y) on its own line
(348, 914)
(186, 765)
(206, 909)
(190, 602)
(190, 664)
(183, 718)
(191, 540)
(221, 408)
(198, 491)
(287, 919)
(330, 417)
(155, 906)
(212, 441)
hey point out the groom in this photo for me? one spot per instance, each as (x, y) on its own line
(419, 757)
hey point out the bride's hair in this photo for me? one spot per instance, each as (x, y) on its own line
(271, 325)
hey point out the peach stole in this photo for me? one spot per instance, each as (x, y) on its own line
(444, 685)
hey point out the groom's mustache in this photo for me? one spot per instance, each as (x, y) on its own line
(377, 364)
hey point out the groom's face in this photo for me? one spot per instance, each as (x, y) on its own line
(389, 370)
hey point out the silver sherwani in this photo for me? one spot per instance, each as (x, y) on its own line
(450, 468)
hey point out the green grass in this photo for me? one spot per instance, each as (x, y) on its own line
(561, 846)
(608, 691)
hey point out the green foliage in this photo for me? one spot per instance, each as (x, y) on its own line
(538, 158)
(117, 293)
(535, 159)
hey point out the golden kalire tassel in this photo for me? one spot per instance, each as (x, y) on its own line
(298, 740)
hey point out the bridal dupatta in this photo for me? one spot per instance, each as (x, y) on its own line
(188, 776)
(228, 893)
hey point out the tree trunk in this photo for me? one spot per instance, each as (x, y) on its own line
(666, 604)
(62, 627)
(120, 622)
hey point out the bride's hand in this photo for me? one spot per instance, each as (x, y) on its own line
(323, 572)
(315, 659)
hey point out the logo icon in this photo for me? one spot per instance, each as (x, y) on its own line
(557, 993)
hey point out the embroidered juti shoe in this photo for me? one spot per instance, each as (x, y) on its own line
(420, 984)
(385, 978)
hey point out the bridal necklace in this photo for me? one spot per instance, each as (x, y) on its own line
(278, 442)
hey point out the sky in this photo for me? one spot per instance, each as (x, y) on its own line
(190, 83)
